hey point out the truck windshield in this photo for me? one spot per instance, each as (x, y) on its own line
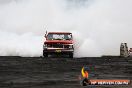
(59, 36)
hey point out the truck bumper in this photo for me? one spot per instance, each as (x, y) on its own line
(58, 51)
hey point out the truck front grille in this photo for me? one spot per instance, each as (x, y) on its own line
(57, 46)
(66, 46)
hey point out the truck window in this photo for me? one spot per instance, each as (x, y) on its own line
(59, 37)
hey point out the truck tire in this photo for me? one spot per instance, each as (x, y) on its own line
(45, 54)
(71, 55)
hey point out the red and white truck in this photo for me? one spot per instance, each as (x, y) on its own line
(58, 43)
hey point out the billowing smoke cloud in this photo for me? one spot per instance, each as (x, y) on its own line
(98, 26)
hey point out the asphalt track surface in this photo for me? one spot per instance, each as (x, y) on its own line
(61, 72)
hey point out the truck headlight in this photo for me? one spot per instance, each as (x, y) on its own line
(45, 46)
(70, 46)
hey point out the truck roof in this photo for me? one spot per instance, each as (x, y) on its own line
(59, 33)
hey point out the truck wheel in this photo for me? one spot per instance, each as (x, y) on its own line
(45, 54)
(71, 55)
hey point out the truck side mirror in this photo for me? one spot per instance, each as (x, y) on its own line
(45, 35)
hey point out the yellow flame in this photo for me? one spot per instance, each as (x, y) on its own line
(82, 71)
